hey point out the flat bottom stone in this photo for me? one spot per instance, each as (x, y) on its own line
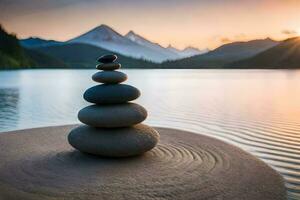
(114, 142)
(40, 164)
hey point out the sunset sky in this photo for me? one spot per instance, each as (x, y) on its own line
(181, 23)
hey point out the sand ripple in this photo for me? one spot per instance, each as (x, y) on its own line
(39, 164)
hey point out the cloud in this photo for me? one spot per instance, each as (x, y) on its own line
(225, 40)
(239, 37)
(289, 32)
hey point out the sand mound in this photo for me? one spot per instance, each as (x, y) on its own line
(40, 164)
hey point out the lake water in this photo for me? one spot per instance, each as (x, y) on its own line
(257, 110)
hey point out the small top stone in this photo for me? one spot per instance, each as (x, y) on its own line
(109, 66)
(107, 58)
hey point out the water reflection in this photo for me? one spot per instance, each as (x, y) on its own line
(9, 108)
(257, 110)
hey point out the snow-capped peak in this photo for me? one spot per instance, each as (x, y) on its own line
(134, 37)
(187, 52)
(130, 44)
(104, 33)
(191, 51)
(140, 39)
(173, 49)
(169, 55)
(131, 35)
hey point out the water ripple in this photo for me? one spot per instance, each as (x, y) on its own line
(257, 110)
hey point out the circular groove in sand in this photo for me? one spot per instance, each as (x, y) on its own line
(39, 163)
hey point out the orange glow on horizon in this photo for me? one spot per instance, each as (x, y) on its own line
(202, 24)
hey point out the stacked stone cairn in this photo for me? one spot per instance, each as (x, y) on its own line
(112, 124)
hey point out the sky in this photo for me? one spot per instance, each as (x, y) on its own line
(181, 23)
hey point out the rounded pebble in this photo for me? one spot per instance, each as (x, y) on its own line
(117, 142)
(109, 77)
(107, 58)
(109, 66)
(110, 116)
(111, 94)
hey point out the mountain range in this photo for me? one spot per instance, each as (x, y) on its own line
(131, 44)
(224, 54)
(13, 55)
(38, 42)
(39, 53)
(284, 55)
(136, 51)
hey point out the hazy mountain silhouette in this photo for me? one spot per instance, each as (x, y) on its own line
(285, 55)
(105, 37)
(187, 52)
(13, 55)
(131, 44)
(223, 55)
(167, 54)
(170, 53)
(38, 42)
(41, 53)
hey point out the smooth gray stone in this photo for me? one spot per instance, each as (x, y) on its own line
(111, 94)
(109, 77)
(109, 66)
(116, 115)
(107, 58)
(117, 142)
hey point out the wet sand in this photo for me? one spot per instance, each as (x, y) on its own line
(40, 164)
